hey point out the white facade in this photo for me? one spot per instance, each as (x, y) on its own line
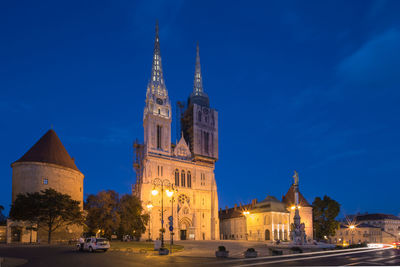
(164, 166)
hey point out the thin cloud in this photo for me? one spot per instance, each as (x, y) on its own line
(375, 64)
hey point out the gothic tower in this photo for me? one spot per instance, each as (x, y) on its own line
(157, 112)
(187, 172)
(200, 122)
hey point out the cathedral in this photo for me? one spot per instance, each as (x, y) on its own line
(176, 182)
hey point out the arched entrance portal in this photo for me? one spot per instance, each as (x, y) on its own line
(267, 235)
(184, 225)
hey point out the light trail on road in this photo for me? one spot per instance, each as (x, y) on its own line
(312, 257)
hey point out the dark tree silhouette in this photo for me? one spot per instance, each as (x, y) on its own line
(48, 209)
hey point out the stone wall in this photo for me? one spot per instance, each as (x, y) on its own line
(29, 177)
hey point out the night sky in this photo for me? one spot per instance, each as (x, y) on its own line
(312, 86)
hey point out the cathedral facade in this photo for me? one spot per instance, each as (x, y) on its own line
(176, 182)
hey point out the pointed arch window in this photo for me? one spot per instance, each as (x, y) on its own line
(206, 141)
(177, 177)
(199, 116)
(159, 132)
(189, 180)
(183, 180)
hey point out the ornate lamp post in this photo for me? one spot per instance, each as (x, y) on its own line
(158, 183)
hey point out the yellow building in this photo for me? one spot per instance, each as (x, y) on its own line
(268, 220)
(356, 234)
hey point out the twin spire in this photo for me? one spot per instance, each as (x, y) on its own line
(156, 84)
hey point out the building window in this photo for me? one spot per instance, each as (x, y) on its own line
(206, 139)
(45, 181)
(267, 235)
(202, 179)
(199, 116)
(159, 131)
(183, 182)
(189, 180)
(80, 189)
(177, 177)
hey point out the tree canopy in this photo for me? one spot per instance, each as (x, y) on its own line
(111, 214)
(324, 213)
(48, 209)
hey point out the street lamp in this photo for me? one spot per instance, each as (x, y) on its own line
(157, 182)
(149, 207)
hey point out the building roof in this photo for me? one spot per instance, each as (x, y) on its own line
(233, 212)
(269, 204)
(361, 225)
(376, 216)
(288, 199)
(49, 149)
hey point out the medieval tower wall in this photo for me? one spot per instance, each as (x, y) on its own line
(46, 165)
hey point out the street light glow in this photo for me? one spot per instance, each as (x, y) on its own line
(352, 227)
(169, 193)
(246, 212)
(149, 206)
(154, 192)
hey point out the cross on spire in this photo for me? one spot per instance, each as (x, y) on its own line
(156, 84)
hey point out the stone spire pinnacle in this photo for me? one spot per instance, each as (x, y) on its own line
(198, 79)
(156, 84)
(198, 95)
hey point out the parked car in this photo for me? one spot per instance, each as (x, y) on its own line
(92, 244)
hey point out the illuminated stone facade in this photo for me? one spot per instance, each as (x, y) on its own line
(360, 234)
(186, 168)
(267, 220)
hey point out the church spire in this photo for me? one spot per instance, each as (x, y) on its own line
(198, 79)
(156, 84)
(198, 96)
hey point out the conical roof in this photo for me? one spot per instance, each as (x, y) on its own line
(288, 199)
(49, 149)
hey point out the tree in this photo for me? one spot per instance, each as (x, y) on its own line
(110, 214)
(102, 213)
(3, 219)
(48, 209)
(132, 220)
(324, 213)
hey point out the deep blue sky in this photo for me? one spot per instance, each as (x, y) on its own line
(306, 85)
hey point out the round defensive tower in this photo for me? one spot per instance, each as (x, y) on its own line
(48, 165)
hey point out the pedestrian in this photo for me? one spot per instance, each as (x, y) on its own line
(81, 242)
